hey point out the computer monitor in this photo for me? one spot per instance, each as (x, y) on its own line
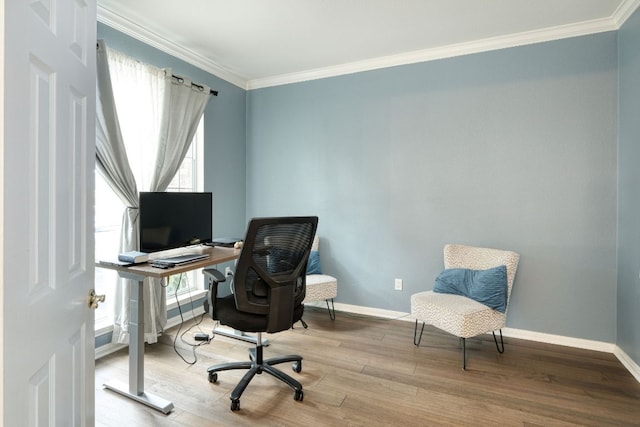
(174, 219)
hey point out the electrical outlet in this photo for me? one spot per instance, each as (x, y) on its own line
(398, 285)
(227, 271)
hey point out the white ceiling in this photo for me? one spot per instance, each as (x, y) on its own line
(258, 43)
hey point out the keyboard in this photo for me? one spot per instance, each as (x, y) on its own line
(180, 259)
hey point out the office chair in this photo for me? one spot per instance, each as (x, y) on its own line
(461, 315)
(268, 290)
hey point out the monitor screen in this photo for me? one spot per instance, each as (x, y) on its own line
(174, 219)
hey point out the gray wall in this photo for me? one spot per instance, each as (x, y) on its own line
(512, 149)
(224, 132)
(629, 196)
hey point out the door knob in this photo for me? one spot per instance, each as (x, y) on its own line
(94, 299)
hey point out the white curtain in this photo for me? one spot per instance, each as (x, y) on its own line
(184, 108)
(156, 117)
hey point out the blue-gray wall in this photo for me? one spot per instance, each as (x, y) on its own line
(224, 133)
(513, 149)
(628, 188)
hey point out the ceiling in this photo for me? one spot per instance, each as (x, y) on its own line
(259, 43)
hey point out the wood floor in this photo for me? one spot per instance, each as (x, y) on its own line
(364, 371)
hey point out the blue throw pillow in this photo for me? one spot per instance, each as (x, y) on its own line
(313, 265)
(488, 287)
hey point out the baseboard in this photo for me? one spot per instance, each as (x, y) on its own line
(191, 314)
(366, 311)
(605, 347)
(107, 349)
(628, 363)
(558, 340)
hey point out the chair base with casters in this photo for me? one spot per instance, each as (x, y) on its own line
(256, 366)
(457, 314)
(266, 295)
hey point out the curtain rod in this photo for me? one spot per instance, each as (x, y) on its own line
(181, 80)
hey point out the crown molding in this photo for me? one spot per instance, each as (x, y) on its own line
(134, 30)
(450, 51)
(613, 23)
(624, 11)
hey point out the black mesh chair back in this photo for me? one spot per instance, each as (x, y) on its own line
(270, 273)
(268, 290)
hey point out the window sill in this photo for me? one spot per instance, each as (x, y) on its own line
(185, 298)
(189, 306)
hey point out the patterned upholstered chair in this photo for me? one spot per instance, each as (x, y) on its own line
(320, 286)
(460, 315)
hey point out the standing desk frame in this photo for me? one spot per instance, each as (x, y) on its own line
(137, 273)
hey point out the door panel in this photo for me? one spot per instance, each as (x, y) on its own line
(47, 216)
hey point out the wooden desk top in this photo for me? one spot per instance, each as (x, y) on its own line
(217, 255)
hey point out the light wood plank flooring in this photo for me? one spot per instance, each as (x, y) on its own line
(364, 371)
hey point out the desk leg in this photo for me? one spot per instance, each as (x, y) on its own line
(135, 390)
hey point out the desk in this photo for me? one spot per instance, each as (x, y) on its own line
(137, 273)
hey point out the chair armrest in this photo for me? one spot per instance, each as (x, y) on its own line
(213, 277)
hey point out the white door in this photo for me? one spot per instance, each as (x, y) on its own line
(46, 195)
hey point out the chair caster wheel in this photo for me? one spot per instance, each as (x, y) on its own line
(297, 367)
(213, 377)
(235, 405)
(298, 396)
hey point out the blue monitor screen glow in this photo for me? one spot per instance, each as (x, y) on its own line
(174, 219)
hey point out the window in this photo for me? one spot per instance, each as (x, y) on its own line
(134, 86)
(108, 217)
(189, 178)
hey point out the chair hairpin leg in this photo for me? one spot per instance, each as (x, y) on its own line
(304, 324)
(464, 354)
(496, 341)
(415, 330)
(332, 310)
